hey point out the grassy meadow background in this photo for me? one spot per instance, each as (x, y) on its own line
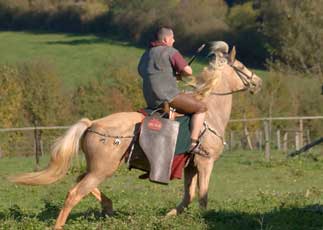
(245, 193)
(77, 58)
(64, 60)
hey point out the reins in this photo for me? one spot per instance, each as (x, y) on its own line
(246, 80)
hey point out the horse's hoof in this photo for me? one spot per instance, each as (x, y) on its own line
(172, 212)
(107, 213)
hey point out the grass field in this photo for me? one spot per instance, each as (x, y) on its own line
(245, 193)
(77, 58)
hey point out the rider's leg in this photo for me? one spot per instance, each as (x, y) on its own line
(186, 103)
(197, 125)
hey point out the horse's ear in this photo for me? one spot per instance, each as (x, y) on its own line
(232, 55)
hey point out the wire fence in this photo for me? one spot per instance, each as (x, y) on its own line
(23, 141)
(260, 134)
(285, 134)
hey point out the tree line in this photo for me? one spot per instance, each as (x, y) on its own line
(287, 31)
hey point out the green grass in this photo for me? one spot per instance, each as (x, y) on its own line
(77, 58)
(245, 193)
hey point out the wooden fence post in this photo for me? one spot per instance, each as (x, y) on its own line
(38, 146)
(301, 133)
(297, 139)
(247, 135)
(267, 140)
(278, 139)
(308, 136)
(231, 140)
(259, 139)
(285, 142)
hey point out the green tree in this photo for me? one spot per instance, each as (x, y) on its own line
(45, 102)
(44, 95)
(11, 98)
(11, 103)
(295, 33)
(98, 99)
(246, 34)
(193, 21)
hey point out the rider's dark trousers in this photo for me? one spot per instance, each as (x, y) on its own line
(187, 104)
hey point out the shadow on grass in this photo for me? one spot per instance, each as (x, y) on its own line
(297, 218)
(50, 212)
(100, 38)
(294, 218)
(89, 41)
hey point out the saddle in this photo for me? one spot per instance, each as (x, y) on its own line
(171, 112)
(159, 140)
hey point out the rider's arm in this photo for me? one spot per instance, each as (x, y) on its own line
(180, 65)
(187, 71)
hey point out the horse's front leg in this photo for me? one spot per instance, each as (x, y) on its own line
(106, 203)
(204, 167)
(190, 179)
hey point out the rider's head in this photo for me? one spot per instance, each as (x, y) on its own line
(165, 35)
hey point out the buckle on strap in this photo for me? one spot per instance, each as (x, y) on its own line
(197, 149)
(207, 127)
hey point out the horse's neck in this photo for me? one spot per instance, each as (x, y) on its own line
(219, 107)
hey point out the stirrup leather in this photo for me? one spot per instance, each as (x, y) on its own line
(197, 149)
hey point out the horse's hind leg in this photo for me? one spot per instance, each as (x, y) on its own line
(190, 179)
(81, 189)
(106, 203)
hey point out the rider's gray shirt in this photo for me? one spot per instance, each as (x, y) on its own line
(158, 74)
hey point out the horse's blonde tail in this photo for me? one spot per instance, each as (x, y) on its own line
(63, 150)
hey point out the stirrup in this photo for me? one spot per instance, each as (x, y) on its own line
(197, 149)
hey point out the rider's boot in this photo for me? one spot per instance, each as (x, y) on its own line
(196, 127)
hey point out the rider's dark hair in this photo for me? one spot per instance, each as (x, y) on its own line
(162, 31)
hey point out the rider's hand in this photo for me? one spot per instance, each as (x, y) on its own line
(187, 71)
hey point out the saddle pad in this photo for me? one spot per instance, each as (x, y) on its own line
(184, 134)
(158, 140)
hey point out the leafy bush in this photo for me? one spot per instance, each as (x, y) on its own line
(11, 98)
(68, 16)
(98, 99)
(44, 95)
(295, 31)
(246, 34)
(193, 21)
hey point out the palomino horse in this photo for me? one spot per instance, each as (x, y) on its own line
(110, 138)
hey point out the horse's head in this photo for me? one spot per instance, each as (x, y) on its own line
(238, 76)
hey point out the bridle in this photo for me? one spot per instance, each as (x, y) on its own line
(245, 79)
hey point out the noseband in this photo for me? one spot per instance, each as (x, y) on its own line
(245, 79)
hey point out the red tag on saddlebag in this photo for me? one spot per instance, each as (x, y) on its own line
(154, 124)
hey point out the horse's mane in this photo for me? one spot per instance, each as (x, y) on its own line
(205, 82)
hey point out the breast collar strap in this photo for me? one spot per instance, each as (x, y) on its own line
(213, 131)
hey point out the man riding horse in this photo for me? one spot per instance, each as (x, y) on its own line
(159, 66)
